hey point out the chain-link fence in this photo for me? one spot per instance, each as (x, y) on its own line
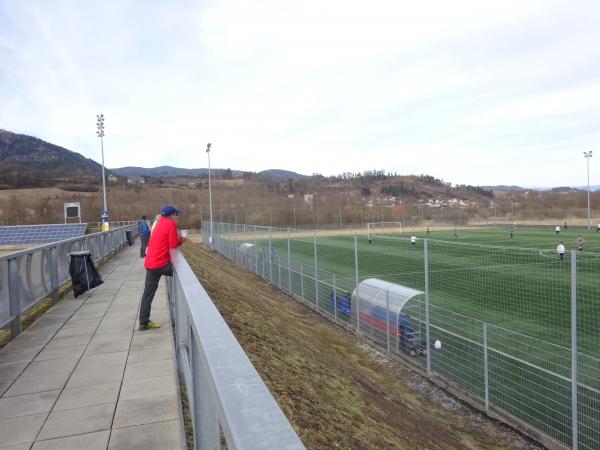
(514, 329)
(435, 215)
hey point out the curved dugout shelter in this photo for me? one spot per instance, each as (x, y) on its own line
(391, 314)
(246, 247)
(246, 253)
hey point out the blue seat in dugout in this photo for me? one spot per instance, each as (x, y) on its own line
(343, 304)
(405, 328)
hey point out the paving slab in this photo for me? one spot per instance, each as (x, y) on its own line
(99, 348)
(77, 421)
(144, 387)
(79, 397)
(69, 351)
(20, 430)
(24, 356)
(149, 369)
(78, 322)
(151, 409)
(151, 354)
(27, 405)
(26, 446)
(96, 375)
(102, 360)
(49, 366)
(84, 330)
(31, 385)
(161, 435)
(58, 342)
(88, 441)
(23, 342)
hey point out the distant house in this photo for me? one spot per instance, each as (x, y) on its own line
(309, 199)
(136, 179)
(112, 178)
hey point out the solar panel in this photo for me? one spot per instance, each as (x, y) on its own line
(40, 234)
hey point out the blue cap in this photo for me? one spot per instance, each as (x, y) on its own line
(169, 210)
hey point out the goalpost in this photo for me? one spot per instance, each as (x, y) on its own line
(384, 227)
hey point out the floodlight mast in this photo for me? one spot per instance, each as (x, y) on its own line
(588, 156)
(211, 241)
(100, 133)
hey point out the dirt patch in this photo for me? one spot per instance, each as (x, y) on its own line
(338, 392)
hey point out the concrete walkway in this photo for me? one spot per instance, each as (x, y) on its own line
(83, 377)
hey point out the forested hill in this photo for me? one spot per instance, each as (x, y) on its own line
(26, 161)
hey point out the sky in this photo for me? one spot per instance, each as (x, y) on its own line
(470, 91)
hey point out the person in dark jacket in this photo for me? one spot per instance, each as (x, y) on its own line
(163, 238)
(144, 231)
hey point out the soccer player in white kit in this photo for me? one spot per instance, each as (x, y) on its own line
(561, 250)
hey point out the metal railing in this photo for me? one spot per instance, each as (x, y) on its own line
(225, 392)
(31, 275)
(119, 223)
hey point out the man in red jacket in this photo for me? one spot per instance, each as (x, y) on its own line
(164, 237)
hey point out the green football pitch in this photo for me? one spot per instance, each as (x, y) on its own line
(517, 286)
(517, 283)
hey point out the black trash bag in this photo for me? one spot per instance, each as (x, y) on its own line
(129, 236)
(84, 274)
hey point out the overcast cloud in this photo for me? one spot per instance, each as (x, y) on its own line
(472, 92)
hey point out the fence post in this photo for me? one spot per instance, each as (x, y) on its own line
(486, 373)
(54, 273)
(575, 419)
(279, 271)
(316, 273)
(255, 250)
(270, 255)
(14, 303)
(301, 281)
(334, 300)
(289, 265)
(387, 318)
(356, 282)
(235, 244)
(427, 318)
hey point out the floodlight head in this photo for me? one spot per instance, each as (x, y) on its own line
(208, 148)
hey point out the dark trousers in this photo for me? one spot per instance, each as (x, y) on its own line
(144, 246)
(150, 286)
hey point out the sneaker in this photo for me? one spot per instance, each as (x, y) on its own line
(151, 325)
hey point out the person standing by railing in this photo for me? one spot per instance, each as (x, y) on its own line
(144, 231)
(163, 238)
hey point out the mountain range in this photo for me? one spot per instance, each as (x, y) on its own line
(26, 161)
(169, 171)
